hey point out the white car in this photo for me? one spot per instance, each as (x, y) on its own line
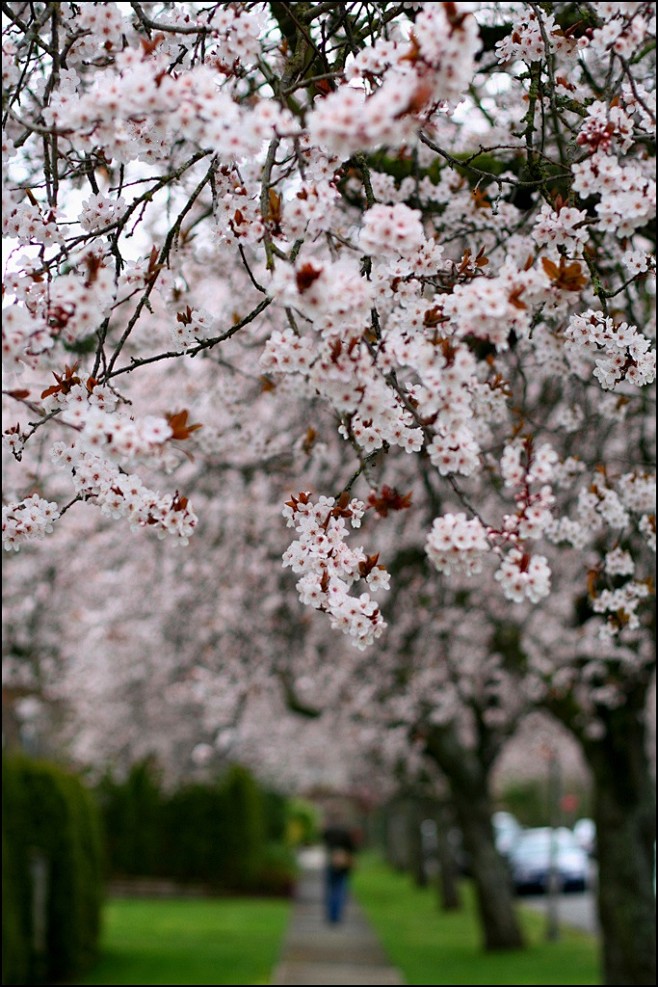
(506, 830)
(538, 853)
(585, 832)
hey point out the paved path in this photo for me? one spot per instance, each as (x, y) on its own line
(315, 952)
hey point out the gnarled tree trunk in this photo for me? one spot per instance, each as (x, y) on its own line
(468, 775)
(624, 813)
(448, 887)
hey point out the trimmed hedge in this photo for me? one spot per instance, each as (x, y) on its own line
(132, 821)
(52, 876)
(228, 834)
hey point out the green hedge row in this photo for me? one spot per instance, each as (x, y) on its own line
(229, 834)
(52, 873)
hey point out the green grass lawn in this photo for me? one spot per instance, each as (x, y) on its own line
(238, 941)
(433, 947)
(190, 941)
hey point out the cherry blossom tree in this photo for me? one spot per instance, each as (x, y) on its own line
(243, 236)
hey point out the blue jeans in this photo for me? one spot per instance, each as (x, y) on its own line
(335, 893)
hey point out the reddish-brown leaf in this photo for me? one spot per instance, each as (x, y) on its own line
(568, 276)
(179, 425)
(389, 499)
(306, 275)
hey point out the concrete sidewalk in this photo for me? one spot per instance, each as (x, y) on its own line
(315, 952)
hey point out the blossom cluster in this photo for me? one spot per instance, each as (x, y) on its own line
(26, 222)
(191, 326)
(138, 87)
(489, 308)
(618, 351)
(522, 464)
(620, 606)
(457, 544)
(109, 442)
(566, 227)
(29, 520)
(330, 568)
(524, 576)
(391, 229)
(100, 212)
(118, 436)
(67, 312)
(530, 39)
(314, 208)
(626, 191)
(340, 367)
(414, 76)
(610, 506)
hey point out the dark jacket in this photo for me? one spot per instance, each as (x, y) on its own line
(340, 846)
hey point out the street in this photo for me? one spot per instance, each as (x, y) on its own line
(577, 909)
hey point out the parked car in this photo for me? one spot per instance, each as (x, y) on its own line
(585, 832)
(536, 851)
(506, 830)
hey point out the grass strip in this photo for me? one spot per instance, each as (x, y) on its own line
(430, 946)
(190, 941)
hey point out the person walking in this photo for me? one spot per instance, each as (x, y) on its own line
(340, 848)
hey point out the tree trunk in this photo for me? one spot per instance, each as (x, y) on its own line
(490, 876)
(468, 778)
(449, 898)
(397, 854)
(415, 840)
(624, 813)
